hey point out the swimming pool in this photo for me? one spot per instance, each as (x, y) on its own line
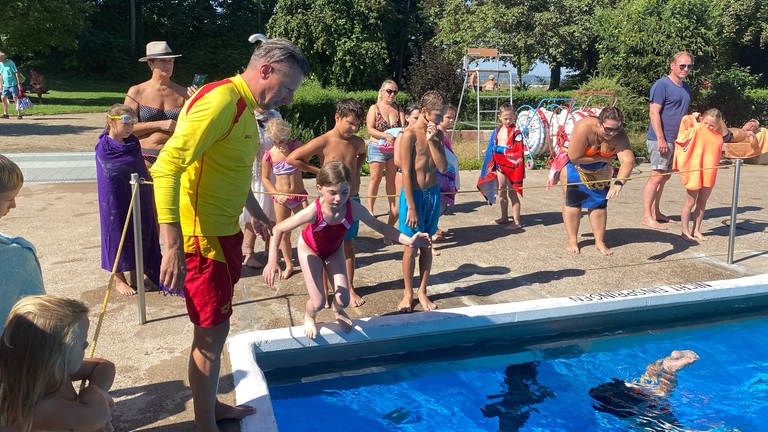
(574, 335)
(542, 390)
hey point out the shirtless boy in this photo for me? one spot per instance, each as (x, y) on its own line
(422, 153)
(340, 144)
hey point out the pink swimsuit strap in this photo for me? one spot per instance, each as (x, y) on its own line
(280, 168)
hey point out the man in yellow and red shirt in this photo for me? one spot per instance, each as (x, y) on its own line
(202, 181)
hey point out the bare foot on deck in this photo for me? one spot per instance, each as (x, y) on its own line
(355, 300)
(653, 224)
(310, 327)
(662, 218)
(426, 303)
(573, 248)
(687, 236)
(699, 236)
(500, 221)
(229, 412)
(123, 288)
(342, 318)
(251, 261)
(288, 272)
(406, 305)
(605, 250)
(514, 227)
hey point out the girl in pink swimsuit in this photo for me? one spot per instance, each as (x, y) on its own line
(319, 246)
(287, 190)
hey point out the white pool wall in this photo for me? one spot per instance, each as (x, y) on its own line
(287, 347)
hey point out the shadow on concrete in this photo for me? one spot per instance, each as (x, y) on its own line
(25, 129)
(544, 219)
(141, 406)
(464, 236)
(623, 236)
(467, 206)
(489, 288)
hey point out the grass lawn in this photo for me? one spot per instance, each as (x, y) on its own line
(77, 95)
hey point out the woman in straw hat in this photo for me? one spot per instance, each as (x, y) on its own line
(157, 101)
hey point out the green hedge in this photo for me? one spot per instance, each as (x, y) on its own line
(760, 101)
(311, 112)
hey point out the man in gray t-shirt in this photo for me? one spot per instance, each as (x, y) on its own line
(669, 102)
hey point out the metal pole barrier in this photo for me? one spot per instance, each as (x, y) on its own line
(734, 209)
(138, 248)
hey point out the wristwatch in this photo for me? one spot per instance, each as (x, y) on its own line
(618, 182)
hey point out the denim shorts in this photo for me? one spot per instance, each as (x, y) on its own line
(11, 91)
(376, 155)
(660, 162)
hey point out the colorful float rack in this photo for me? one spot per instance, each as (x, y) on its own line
(547, 128)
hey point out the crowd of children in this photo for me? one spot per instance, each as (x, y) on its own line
(427, 181)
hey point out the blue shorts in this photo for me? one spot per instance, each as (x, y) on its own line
(352, 232)
(11, 91)
(376, 155)
(427, 203)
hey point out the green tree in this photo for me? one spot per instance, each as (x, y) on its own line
(36, 27)
(745, 32)
(565, 36)
(342, 39)
(502, 24)
(637, 37)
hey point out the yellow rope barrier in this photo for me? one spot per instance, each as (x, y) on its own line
(523, 188)
(111, 282)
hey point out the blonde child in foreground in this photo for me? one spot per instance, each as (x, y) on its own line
(697, 154)
(41, 355)
(319, 248)
(422, 153)
(287, 190)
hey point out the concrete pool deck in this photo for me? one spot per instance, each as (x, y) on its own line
(480, 264)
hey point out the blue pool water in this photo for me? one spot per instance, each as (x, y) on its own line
(543, 390)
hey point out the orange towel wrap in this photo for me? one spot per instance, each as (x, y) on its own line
(702, 153)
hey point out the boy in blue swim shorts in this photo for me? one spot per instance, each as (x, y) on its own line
(422, 153)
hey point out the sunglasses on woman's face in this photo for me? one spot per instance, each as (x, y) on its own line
(391, 91)
(126, 118)
(686, 66)
(612, 130)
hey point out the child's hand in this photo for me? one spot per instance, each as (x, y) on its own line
(261, 228)
(269, 273)
(389, 140)
(420, 240)
(412, 218)
(168, 125)
(431, 130)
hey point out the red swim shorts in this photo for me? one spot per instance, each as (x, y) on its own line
(213, 269)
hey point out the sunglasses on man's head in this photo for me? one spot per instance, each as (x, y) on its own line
(686, 66)
(126, 118)
(390, 91)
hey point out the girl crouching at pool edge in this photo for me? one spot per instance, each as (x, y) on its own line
(320, 243)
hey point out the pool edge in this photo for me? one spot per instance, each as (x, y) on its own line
(281, 344)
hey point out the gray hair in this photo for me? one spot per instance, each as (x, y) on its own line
(279, 51)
